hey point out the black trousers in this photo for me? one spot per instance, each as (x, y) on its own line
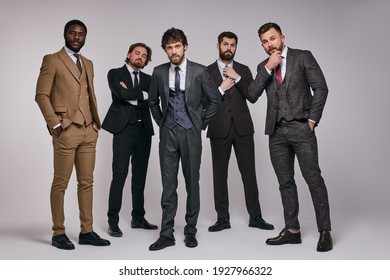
(134, 143)
(290, 139)
(244, 149)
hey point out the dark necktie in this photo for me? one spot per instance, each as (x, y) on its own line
(177, 79)
(78, 63)
(135, 78)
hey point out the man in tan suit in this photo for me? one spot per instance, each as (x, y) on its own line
(66, 97)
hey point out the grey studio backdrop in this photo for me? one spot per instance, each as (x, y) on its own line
(349, 40)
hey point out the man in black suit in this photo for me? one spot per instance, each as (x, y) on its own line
(176, 92)
(296, 92)
(232, 127)
(128, 119)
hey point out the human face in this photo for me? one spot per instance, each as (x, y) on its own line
(272, 41)
(137, 57)
(227, 49)
(75, 37)
(175, 52)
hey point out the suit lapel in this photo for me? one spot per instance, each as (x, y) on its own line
(126, 74)
(290, 66)
(188, 79)
(215, 73)
(166, 81)
(69, 63)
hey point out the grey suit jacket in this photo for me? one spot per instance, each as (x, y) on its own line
(306, 88)
(198, 84)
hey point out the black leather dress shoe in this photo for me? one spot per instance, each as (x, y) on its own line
(190, 240)
(92, 238)
(161, 243)
(142, 223)
(62, 242)
(221, 224)
(258, 222)
(325, 243)
(285, 237)
(114, 231)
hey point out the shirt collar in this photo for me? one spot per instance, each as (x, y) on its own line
(222, 65)
(131, 70)
(69, 51)
(284, 52)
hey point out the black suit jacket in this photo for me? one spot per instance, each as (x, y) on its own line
(121, 111)
(234, 105)
(306, 88)
(198, 86)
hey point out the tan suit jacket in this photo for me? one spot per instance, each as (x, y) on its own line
(58, 87)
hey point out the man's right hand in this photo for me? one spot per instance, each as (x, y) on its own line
(57, 131)
(274, 60)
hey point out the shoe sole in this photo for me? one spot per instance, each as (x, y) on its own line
(62, 248)
(324, 250)
(265, 228)
(216, 230)
(165, 246)
(91, 243)
(291, 241)
(115, 234)
(134, 226)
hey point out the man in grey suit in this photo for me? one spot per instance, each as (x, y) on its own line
(176, 92)
(296, 93)
(231, 127)
(128, 119)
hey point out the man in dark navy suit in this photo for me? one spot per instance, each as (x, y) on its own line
(128, 119)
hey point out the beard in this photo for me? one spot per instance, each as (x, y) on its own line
(274, 49)
(70, 45)
(228, 55)
(177, 59)
(137, 63)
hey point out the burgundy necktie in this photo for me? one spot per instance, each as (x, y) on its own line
(278, 74)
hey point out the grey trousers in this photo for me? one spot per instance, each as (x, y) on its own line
(290, 139)
(186, 145)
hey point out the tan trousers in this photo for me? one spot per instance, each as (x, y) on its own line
(76, 146)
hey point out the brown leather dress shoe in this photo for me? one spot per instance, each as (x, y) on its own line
(325, 243)
(285, 237)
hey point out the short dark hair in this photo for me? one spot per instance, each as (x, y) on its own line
(227, 34)
(173, 35)
(148, 50)
(74, 22)
(267, 26)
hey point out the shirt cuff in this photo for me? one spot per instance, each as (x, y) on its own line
(221, 91)
(268, 71)
(146, 95)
